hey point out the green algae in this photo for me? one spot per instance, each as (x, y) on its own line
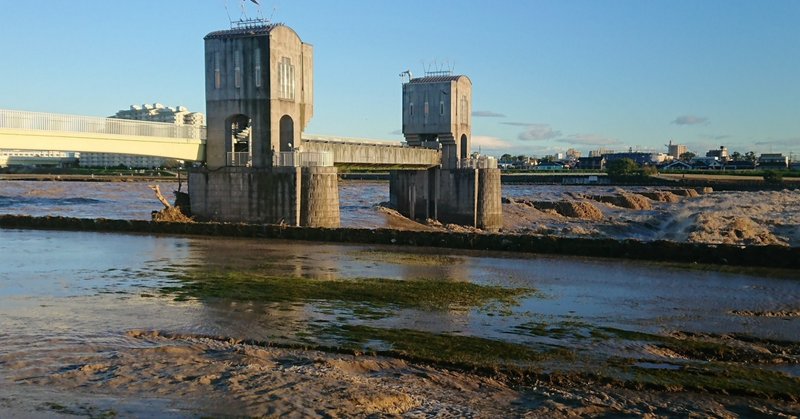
(420, 294)
(403, 258)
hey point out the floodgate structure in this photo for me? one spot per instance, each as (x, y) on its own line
(261, 167)
(259, 99)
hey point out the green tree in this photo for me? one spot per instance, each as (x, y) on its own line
(750, 156)
(687, 156)
(773, 177)
(622, 168)
(736, 156)
(506, 158)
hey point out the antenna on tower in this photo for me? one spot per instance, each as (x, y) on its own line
(407, 73)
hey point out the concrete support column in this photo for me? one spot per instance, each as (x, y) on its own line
(490, 205)
(319, 205)
(450, 156)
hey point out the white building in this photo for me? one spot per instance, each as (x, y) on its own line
(37, 158)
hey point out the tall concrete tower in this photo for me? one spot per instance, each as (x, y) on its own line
(437, 113)
(259, 99)
(259, 93)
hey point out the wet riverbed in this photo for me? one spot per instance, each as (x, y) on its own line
(94, 323)
(68, 299)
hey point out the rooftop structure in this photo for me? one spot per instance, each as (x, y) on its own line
(436, 114)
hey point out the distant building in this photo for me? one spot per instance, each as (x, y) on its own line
(740, 165)
(573, 154)
(591, 163)
(38, 158)
(706, 163)
(676, 150)
(641, 158)
(773, 161)
(160, 113)
(721, 154)
(150, 113)
(599, 152)
(677, 165)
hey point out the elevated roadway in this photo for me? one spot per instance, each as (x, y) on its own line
(21, 130)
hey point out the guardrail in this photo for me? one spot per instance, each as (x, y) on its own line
(40, 121)
(240, 158)
(303, 159)
(482, 162)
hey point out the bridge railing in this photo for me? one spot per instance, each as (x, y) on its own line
(481, 162)
(40, 121)
(303, 159)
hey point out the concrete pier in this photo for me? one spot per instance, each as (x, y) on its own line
(469, 197)
(307, 196)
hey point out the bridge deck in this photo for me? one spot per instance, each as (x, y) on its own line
(21, 130)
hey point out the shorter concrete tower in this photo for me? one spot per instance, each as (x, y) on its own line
(437, 114)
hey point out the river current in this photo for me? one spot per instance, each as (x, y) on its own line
(70, 296)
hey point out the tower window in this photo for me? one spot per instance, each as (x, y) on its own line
(441, 107)
(237, 69)
(286, 76)
(258, 67)
(217, 72)
(411, 108)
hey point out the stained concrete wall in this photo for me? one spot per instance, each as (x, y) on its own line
(237, 194)
(470, 197)
(458, 196)
(413, 193)
(294, 196)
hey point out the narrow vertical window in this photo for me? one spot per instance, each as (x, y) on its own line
(237, 69)
(425, 110)
(286, 79)
(258, 67)
(217, 72)
(411, 108)
(441, 107)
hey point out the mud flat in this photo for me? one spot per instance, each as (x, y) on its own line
(681, 215)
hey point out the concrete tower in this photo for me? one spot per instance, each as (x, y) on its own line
(259, 95)
(437, 114)
(258, 103)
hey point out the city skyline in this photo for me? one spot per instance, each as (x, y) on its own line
(547, 76)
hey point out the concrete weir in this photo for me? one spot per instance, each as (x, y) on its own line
(469, 197)
(296, 196)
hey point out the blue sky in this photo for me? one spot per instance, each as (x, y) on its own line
(547, 75)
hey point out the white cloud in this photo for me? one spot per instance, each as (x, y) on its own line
(536, 132)
(588, 139)
(487, 114)
(689, 120)
(485, 142)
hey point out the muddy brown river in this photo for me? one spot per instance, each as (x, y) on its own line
(95, 324)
